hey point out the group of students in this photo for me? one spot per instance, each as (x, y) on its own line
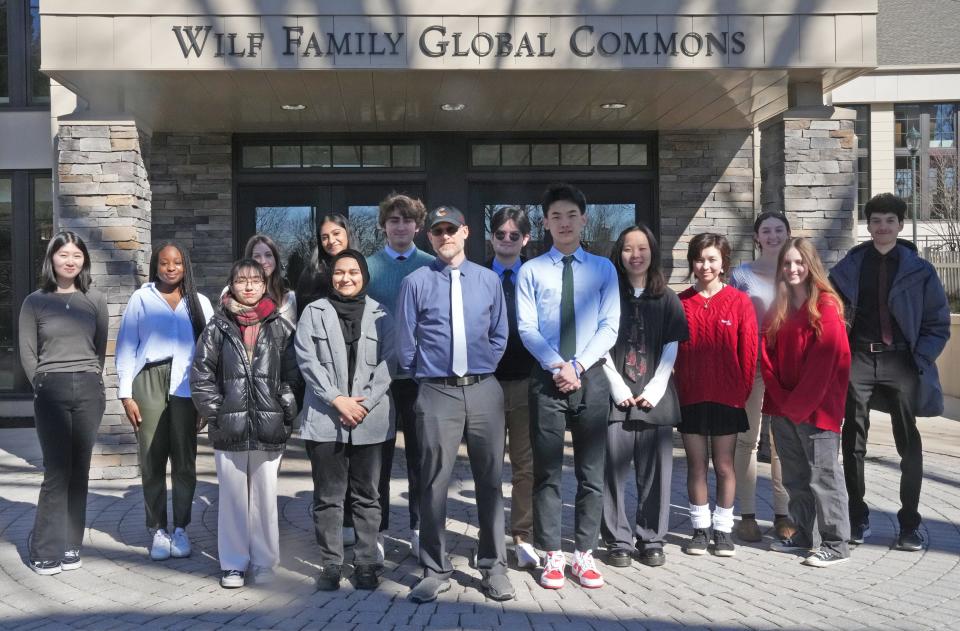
(512, 352)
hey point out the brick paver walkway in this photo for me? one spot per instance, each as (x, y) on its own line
(120, 588)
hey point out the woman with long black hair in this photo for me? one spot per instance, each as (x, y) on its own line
(63, 342)
(334, 237)
(155, 346)
(644, 401)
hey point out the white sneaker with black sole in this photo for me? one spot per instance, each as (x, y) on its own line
(824, 557)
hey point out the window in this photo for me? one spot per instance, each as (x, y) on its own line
(861, 127)
(928, 180)
(330, 156)
(573, 154)
(21, 82)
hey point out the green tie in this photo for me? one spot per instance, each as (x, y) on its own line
(568, 317)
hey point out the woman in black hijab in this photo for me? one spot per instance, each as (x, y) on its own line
(348, 415)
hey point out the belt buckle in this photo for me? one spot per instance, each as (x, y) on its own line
(462, 381)
(877, 347)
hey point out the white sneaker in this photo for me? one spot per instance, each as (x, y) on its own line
(415, 543)
(160, 550)
(553, 576)
(180, 544)
(263, 575)
(349, 536)
(527, 556)
(585, 569)
(381, 552)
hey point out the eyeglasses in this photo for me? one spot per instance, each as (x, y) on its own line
(502, 235)
(252, 282)
(449, 231)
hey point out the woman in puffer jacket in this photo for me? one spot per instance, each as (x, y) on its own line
(241, 381)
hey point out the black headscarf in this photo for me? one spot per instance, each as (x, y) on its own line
(350, 308)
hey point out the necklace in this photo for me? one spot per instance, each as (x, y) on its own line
(707, 299)
(72, 293)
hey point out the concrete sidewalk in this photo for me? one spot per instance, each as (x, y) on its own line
(120, 588)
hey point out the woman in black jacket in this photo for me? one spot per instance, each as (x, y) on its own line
(241, 384)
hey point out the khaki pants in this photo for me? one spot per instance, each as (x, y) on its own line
(745, 459)
(516, 408)
(168, 432)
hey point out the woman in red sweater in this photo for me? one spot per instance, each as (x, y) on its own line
(714, 375)
(806, 367)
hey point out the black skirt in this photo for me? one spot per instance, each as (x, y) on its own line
(712, 419)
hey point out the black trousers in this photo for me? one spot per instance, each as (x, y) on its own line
(337, 467)
(445, 416)
(584, 412)
(892, 379)
(648, 451)
(404, 392)
(68, 407)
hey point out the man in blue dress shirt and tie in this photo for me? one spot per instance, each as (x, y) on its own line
(568, 314)
(451, 333)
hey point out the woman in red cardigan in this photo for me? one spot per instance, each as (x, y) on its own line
(806, 367)
(714, 375)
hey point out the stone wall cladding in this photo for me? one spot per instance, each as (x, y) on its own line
(104, 196)
(808, 170)
(192, 184)
(706, 185)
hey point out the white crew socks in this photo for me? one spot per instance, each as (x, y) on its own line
(723, 519)
(700, 516)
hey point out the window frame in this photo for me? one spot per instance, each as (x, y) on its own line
(925, 152)
(19, 79)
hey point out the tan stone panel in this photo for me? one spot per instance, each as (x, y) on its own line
(275, 42)
(849, 41)
(131, 42)
(637, 26)
(416, 25)
(868, 24)
(750, 83)
(468, 27)
(95, 42)
(58, 46)
(379, 25)
(781, 40)
(666, 26)
(753, 55)
(563, 29)
(319, 26)
(818, 40)
(238, 50)
(166, 51)
(719, 27)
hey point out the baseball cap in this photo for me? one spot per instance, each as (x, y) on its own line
(445, 214)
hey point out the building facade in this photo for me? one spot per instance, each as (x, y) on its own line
(205, 122)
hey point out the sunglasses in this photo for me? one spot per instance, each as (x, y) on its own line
(449, 231)
(502, 235)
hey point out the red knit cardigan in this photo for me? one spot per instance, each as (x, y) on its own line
(807, 375)
(719, 360)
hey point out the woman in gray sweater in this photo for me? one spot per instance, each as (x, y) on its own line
(348, 414)
(63, 342)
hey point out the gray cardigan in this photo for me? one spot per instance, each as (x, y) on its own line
(322, 356)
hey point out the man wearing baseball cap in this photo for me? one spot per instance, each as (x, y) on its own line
(452, 329)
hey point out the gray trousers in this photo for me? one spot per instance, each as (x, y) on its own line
(648, 452)
(813, 477)
(445, 416)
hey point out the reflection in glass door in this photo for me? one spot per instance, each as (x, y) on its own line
(292, 228)
(610, 209)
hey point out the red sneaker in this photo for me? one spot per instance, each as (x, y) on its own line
(586, 570)
(552, 577)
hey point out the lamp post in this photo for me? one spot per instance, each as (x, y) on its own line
(913, 145)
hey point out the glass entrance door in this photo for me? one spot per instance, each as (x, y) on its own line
(290, 215)
(611, 207)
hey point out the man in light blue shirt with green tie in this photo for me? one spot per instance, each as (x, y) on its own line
(568, 315)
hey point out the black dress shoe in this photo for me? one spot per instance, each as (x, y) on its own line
(910, 540)
(618, 558)
(366, 576)
(329, 578)
(653, 557)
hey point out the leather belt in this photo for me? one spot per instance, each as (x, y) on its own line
(466, 380)
(880, 347)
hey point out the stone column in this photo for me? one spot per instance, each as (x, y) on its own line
(808, 170)
(104, 196)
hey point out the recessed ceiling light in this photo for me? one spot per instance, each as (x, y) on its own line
(613, 106)
(453, 107)
(293, 107)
